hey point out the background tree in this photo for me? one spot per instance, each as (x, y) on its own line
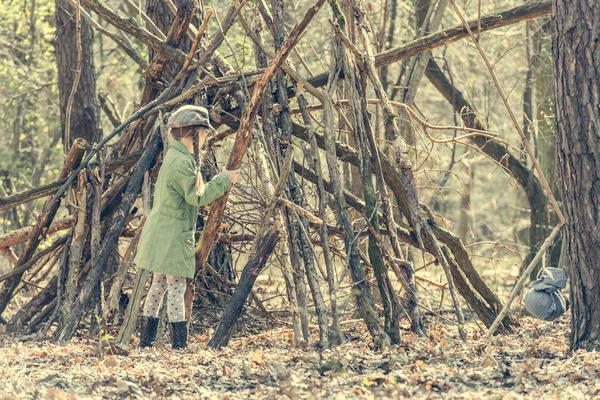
(577, 82)
(76, 66)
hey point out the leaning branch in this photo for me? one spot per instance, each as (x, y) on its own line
(21, 235)
(519, 285)
(131, 27)
(51, 188)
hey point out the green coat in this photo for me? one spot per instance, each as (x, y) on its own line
(167, 241)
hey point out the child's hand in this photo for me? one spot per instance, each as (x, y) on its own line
(232, 175)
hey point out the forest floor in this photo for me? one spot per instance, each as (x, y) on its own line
(532, 363)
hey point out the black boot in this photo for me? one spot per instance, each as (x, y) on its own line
(148, 330)
(179, 334)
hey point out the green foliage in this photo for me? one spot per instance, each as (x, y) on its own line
(29, 112)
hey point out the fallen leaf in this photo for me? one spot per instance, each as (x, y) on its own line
(111, 361)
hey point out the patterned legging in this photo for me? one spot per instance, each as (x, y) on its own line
(175, 286)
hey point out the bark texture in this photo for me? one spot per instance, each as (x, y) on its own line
(576, 51)
(85, 113)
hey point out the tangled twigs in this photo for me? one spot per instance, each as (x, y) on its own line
(262, 246)
(421, 228)
(242, 141)
(111, 238)
(43, 222)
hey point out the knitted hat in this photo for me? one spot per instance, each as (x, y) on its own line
(189, 116)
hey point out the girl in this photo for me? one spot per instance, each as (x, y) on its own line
(166, 244)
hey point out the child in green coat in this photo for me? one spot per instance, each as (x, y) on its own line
(166, 244)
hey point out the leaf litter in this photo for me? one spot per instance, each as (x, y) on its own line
(533, 363)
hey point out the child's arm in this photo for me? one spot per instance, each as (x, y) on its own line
(183, 180)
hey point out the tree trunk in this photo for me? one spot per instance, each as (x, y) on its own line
(577, 79)
(174, 27)
(161, 69)
(387, 41)
(465, 214)
(85, 112)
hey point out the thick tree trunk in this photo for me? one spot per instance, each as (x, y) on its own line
(85, 112)
(577, 81)
(174, 28)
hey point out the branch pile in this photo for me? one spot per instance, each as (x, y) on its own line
(80, 269)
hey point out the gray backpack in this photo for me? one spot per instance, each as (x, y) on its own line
(544, 300)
